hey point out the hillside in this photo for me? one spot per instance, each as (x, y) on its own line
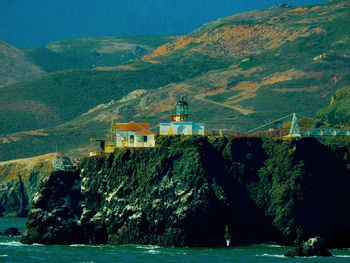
(284, 60)
(337, 113)
(87, 53)
(14, 65)
(236, 73)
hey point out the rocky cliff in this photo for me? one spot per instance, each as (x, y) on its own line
(20, 179)
(199, 191)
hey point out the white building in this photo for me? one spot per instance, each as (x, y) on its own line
(134, 134)
(184, 128)
(179, 124)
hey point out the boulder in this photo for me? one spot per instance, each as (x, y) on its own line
(12, 231)
(315, 246)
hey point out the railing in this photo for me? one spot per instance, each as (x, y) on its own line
(325, 132)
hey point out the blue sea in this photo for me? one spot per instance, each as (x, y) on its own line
(11, 250)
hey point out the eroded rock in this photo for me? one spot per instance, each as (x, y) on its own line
(315, 246)
(12, 231)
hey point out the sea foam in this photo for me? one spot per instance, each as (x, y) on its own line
(271, 255)
(12, 244)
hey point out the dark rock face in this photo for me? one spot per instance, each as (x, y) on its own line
(199, 191)
(13, 198)
(12, 231)
(313, 247)
(53, 218)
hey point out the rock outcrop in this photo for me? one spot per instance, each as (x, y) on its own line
(20, 180)
(199, 191)
(313, 247)
(12, 231)
(55, 212)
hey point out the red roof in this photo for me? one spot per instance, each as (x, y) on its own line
(139, 128)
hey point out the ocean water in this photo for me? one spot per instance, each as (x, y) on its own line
(11, 250)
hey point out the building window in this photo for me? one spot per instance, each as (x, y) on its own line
(132, 138)
(144, 138)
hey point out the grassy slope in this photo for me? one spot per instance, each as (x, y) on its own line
(14, 65)
(338, 112)
(321, 32)
(87, 53)
(304, 84)
(67, 94)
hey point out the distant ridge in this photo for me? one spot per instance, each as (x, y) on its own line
(14, 65)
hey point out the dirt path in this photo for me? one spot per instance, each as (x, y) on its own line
(237, 108)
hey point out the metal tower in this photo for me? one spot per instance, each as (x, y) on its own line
(294, 127)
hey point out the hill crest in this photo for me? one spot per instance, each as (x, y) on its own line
(14, 65)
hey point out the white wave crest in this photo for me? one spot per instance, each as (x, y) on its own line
(147, 247)
(12, 244)
(274, 245)
(271, 255)
(342, 256)
(152, 251)
(78, 245)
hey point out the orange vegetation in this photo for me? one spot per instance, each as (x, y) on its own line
(299, 9)
(315, 7)
(323, 13)
(10, 170)
(15, 137)
(233, 40)
(249, 88)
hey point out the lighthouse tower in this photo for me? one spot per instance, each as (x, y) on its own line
(179, 122)
(181, 111)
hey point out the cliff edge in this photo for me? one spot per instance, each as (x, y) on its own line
(199, 191)
(20, 180)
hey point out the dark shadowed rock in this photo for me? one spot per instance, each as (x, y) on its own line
(315, 246)
(53, 218)
(20, 180)
(12, 231)
(199, 191)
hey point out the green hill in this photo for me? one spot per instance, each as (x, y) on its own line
(236, 73)
(55, 98)
(338, 112)
(88, 53)
(14, 65)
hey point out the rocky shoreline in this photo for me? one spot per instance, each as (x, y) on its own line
(199, 191)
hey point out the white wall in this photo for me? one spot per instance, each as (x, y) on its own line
(123, 140)
(164, 128)
(178, 128)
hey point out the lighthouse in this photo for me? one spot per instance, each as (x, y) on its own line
(181, 111)
(179, 122)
